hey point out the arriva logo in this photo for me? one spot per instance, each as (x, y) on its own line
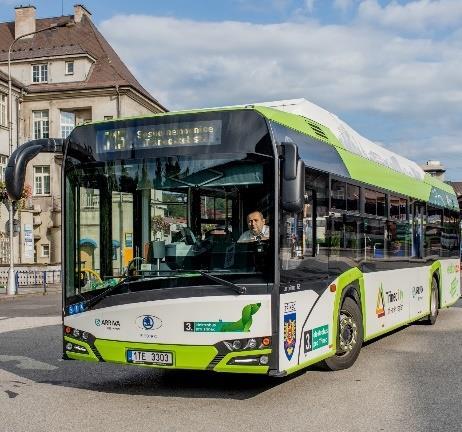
(107, 322)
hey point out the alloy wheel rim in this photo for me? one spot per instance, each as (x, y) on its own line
(348, 333)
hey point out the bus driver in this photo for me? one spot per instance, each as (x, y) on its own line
(257, 228)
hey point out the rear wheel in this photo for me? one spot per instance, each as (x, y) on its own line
(349, 338)
(434, 300)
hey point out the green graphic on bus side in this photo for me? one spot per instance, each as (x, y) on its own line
(380, 308)
(453, 288)
(453, 268)
(242, 325)
(320, 336)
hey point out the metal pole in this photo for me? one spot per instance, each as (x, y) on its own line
(11, 288)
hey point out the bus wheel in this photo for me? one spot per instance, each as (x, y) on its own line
(349, 338)
(434, 299)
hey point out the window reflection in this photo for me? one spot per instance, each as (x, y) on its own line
(174, 214)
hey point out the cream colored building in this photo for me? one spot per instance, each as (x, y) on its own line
(17, 89)
(64, 76)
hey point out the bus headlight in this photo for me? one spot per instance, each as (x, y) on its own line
(264, 360)
(251, 344)
(78, 334)
(248, 344)
(237, 344)
(249, 360)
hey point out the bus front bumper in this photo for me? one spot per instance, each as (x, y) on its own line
(195, 357)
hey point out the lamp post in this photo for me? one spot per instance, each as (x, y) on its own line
(11, 288)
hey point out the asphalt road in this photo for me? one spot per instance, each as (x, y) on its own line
(410, 380)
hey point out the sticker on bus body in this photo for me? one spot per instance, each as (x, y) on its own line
(290, 329)
(241, 325)
(316, 338)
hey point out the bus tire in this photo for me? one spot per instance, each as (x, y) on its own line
(434, 303)
(349, 336)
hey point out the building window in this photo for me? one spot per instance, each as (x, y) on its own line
(108, 117)
(70, 68)
(3, 163)
(45, 251)
(398, 208)
(67, 123)
(41, 180)
(2, 109)
(352, 198)
(338, 195)
(374, 203)
(41, 124)
(40, 73)
(344, 196)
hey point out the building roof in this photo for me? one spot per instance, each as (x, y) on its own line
(14, 82)
(80, 38)
(457, 187)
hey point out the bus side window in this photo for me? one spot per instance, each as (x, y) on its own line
(450, 234)
(345, 239)
(292, 240)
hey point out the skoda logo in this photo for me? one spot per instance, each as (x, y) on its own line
(148, 322)
(98, 322)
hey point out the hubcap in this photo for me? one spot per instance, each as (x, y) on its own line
(348, 333)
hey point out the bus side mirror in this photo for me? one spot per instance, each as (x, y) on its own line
(16, 169)
(292, 179)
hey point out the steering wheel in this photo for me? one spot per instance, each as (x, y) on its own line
(89, 275)
(188, 236)
(132, 269)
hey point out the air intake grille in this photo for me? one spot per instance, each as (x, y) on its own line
(218, 358)
(317, 130)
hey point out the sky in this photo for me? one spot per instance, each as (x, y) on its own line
(392, 69)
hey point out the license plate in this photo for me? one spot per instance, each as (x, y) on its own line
(150, 357)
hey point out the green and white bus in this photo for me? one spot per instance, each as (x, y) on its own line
(359, 241)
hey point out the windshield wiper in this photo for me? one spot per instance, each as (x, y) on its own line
(89, 304)
(93, 301)
(224, 282)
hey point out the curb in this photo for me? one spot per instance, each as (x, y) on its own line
(4, 297)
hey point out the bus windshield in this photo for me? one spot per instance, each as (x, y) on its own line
(162, 222)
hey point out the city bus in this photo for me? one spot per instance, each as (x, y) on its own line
(358, 240)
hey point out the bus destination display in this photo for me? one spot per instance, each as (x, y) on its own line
(161, 135)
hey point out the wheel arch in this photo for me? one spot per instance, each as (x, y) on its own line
(348, 284)
(353, 291)
(435, 273)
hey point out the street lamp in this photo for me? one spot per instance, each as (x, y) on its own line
(11, 289)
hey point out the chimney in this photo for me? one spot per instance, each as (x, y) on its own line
(25, 21)
(435, 168)
(80, 11)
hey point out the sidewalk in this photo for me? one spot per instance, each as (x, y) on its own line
(30, 290)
